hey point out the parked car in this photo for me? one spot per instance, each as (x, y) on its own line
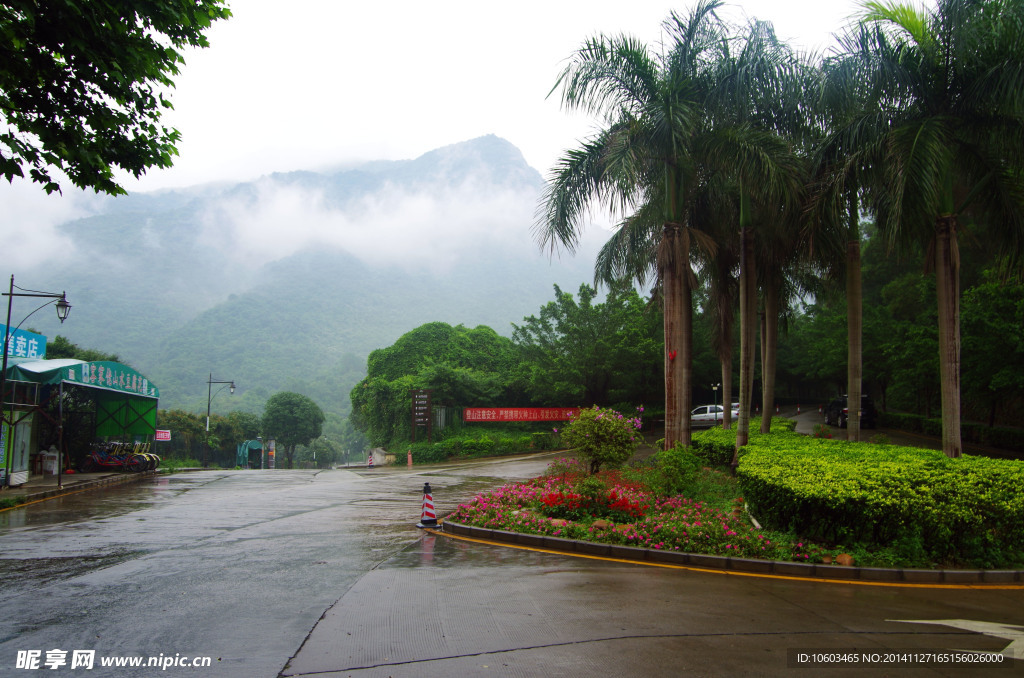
(707, 416)
(837, 413)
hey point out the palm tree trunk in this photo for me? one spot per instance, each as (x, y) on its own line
(854, 326)
(854, 340)
(723, 340)
(947, 281)
(748, 337)
(727, 391)
(769, 343)
(676, 323)
(686, 349)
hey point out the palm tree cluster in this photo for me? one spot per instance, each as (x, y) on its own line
(743, 166)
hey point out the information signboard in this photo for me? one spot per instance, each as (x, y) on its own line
(420, 410)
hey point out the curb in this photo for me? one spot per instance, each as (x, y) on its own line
(873, 575)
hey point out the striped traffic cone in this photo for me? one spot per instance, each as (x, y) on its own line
(369, 461)
(427, 517)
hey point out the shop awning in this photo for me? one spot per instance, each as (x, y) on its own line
(126, 401)
(101, 374)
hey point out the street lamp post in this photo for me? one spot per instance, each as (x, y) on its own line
(63, 309)
(209, 400)
(714, 387)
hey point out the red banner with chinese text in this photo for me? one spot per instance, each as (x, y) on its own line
(519, 413)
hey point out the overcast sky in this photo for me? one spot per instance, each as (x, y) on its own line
(314, 83)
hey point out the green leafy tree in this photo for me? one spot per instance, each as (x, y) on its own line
(82, 86)
(911, 345)
(993, 378)
(292, 419)
(188, 434)
(62, 347)
(461, 366)
(581, 352)
(320, 453)
(353, 443)
(226, 433)
(246, 424)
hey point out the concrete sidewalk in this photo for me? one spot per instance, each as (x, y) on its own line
(45, 486)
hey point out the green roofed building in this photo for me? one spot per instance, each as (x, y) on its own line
(61, 406)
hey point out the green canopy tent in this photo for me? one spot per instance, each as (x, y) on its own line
(242, 458)
(126, 401)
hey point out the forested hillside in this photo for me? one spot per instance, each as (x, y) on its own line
(288, 282)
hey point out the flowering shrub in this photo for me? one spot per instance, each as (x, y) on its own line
(822, 431)
(555, 504)
(603, 436)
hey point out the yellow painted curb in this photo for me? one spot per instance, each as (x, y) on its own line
(817, 580)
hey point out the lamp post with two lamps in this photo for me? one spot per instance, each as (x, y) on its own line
(63, 309)
(209, 400)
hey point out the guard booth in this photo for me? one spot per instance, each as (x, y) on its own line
(54, 409)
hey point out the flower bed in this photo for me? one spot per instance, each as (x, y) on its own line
(611, 507)
(821, 501)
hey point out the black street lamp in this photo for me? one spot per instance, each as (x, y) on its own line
(714, 387)
(63, 309)
(209, 400)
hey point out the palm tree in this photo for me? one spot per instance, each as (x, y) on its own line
(757, 112)
(631, 253)
(834, 210)
(939, 142)
(782, 255)
(723, 292)
(727, 150)
(645, 158)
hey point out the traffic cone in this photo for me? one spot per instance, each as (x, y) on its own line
(369, 461)
(427, 517)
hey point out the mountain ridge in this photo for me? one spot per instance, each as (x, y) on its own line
(277, 282)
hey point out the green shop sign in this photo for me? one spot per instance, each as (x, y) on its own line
(101, 374)
(112, 376)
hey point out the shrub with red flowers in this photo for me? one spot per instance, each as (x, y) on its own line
(603, 436)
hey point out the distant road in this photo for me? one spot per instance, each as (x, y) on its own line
(807, 419)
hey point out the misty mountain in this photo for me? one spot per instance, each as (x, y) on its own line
(289, 281)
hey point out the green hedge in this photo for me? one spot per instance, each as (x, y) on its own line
(1000, 437)
(958, 511)
(715, 446)
(477, 444)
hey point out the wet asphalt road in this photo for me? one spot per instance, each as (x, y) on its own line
(303, 573)
(235, 565)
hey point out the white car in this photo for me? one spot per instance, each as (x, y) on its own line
(711, 415)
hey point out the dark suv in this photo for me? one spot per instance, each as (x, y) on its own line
(836, 412)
